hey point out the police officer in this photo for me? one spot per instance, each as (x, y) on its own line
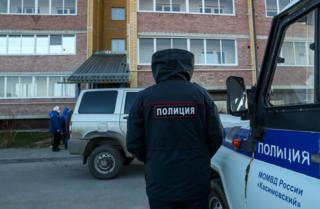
(175, 129)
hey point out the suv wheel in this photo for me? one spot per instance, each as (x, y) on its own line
(105, 162)
(217, 198)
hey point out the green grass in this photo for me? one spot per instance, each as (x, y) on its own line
(24, 139)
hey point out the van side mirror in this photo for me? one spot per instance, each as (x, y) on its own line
(237, 99)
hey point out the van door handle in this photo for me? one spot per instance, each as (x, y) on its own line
(315, 158)
(125, 117)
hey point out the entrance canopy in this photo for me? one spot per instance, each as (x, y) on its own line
(102, 68)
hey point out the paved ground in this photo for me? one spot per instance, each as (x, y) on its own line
(16, 155)
(38, 178)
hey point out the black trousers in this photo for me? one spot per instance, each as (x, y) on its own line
(56, 140)
(199, 204)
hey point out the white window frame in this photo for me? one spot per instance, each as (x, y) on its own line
(35, 46)
(278, 8)
(188, 9)
(188, 48)
(33, 85)
(37, 12)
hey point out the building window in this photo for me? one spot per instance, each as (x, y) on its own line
(34, 7)
(118, 45)
(14, 44)
(146, 47)
(69, 7)
(197, 48)
(194, 6)
(273, 7)
(3, 44)
(180, 43)
(15, 6)
(145, 5)
(68, 44)
(2, 87)
(163, 5)
(29, 7)
(206, 51)
(37, 44)
(214, 52)
(163, 43)
(3, 6)
(42, 45)
(226, 7)
(27, 45)
(38, 86)
(44, 7)
(55, 46)
(118, 14)
(12, 86)
(178, 6)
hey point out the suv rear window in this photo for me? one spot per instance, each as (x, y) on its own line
(130, 98)
(98, 102)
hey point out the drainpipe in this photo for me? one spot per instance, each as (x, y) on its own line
(90, 20)
(132, 44)
(253, 39)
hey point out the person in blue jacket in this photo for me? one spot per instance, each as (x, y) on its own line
(65, 128)
(55, 127)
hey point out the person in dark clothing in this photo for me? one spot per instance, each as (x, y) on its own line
(65, 126)
(175, 129)
(55, 127)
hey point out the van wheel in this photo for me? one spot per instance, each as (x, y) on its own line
(217, 198)
(128, 160)
(105, 162)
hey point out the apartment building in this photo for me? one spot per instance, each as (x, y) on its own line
(216, 31)
(41, 43)
(44, 43)
(225, 39)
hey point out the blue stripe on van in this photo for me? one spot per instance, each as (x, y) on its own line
(285, 148)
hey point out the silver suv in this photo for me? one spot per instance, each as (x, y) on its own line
(98, 130)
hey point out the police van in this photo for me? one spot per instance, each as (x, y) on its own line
(270, 157)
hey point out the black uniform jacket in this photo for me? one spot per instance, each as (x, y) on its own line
(174, 128)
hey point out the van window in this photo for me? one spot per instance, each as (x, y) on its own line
(99, 102)
(130, 98)
(293, 81)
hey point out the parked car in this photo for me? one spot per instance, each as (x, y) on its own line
(98, 130)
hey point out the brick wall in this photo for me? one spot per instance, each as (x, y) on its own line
(12, 108)
(211, 79)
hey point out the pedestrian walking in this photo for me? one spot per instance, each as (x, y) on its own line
(175, 129)
(65, 126)
(55, 127)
